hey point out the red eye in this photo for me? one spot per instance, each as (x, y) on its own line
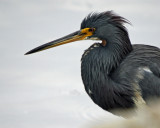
(91, 30)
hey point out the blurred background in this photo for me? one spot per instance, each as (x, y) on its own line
(45, 89)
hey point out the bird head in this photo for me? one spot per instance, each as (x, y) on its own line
(96, 26)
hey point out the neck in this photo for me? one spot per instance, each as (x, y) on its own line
(98, 62)
(116, 49)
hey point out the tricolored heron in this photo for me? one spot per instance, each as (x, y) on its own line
(115, 73)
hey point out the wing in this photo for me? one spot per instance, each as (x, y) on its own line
(141, 68)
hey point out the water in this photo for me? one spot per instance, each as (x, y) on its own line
(45, 89)
(48, 107)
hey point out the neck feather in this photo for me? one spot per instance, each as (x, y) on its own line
(98, 62)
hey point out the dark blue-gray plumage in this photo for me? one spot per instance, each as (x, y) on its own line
(115, 73)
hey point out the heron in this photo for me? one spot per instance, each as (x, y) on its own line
(116, 74)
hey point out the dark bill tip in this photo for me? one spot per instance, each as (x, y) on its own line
(37, 49)
(32, 51)
(28, 53)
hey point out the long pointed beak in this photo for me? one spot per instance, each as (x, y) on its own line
(78, 35)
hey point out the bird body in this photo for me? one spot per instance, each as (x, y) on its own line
(135, 79)
(115, 73)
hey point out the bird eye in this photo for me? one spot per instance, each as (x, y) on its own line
(91, 30)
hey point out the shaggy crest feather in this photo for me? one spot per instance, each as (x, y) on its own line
(104, 17)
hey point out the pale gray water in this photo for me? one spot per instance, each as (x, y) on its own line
(45, 90)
